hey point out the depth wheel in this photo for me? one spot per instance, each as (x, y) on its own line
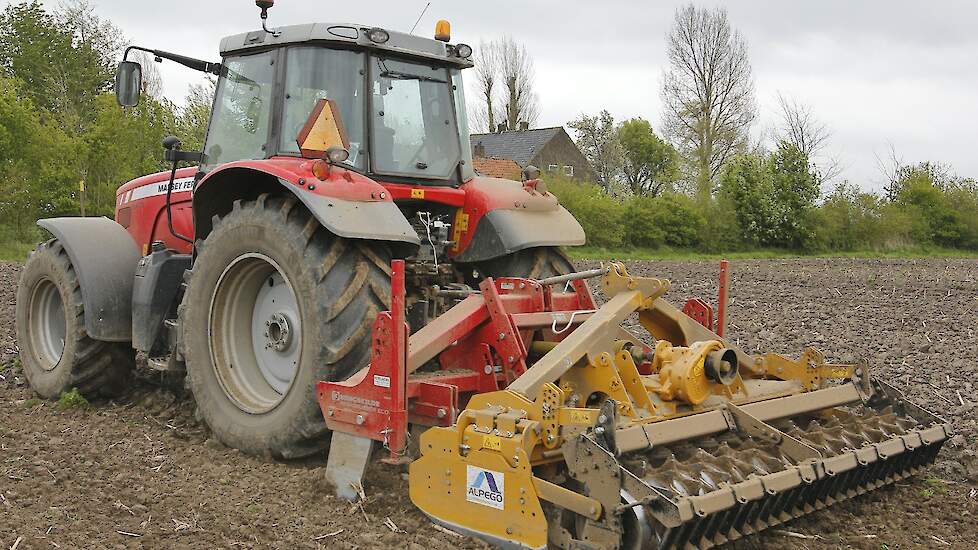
(274, 304)
(55, 349)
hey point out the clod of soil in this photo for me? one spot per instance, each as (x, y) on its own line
(139, 473)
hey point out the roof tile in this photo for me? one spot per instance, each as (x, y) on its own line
(520, 146)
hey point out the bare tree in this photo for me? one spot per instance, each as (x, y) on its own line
(800, 127)
(486, 72)
(516, 71)
(707, 91)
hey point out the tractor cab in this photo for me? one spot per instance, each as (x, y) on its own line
(395, 101)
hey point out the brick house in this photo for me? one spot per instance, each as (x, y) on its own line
(497, 168)
(549, 149)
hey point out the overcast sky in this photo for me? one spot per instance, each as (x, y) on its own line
(876, 72)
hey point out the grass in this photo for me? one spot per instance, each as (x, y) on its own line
(13, 251)
(71, 399)
(14, 247)
(600, 253)
(13, 366)
(935, 486)
(31, 403)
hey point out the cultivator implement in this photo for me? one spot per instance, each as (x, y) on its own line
(553, 426)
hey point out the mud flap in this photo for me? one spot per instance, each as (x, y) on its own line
(105, 257)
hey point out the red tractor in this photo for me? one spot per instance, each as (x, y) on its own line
(332, 149)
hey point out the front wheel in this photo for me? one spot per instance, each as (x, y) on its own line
(275, 304)
(55, 350)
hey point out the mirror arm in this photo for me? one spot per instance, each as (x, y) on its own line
(195, 64)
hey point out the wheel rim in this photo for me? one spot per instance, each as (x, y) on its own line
(255, 333)
(48, 326)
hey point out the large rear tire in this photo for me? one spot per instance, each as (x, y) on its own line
(531, 263)
(274, 304)
(55, 350)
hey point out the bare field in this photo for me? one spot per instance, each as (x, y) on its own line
(140, 472)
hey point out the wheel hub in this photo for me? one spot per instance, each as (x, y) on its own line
(49, 326)
(255, 332)
(278, 332)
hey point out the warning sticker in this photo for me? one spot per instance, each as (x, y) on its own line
(485, 487)
(382, 381)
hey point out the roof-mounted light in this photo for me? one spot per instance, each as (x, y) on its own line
(463, 50)
(378, 35)
(443, 30)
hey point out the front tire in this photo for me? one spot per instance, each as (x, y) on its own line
(274, 304)
(55, 350)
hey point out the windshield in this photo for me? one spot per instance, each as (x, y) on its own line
(239, 125)
(413, 123)
(316, 73)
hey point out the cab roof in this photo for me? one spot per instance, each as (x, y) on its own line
(343, 33)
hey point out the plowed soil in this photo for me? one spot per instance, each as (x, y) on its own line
(141, 472)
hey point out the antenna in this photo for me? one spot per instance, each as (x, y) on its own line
(419, 17)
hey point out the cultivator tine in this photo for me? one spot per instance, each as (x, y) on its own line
(347, 462)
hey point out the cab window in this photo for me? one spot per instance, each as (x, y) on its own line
(242, 110)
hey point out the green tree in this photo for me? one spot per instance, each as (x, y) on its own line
(63, 59)
(597, 138)
(795, 191)
(746, 185)
(36, 167)
(921, 192)
(649, 164)
(191, 122)
(123, 144)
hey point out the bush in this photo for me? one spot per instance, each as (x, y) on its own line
(599, 213)
(770, 200)
(668, 220)
(850, 220)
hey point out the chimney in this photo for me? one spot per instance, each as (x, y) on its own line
(479, 151)
(524, 126)
(501, 127)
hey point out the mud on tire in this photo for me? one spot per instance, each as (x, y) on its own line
(338, 286)
(55, 350)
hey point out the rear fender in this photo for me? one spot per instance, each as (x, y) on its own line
(104, 257)
(501, 217)
(347, 204)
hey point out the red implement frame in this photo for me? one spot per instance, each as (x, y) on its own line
(702, 312)
(479, 345)
(722, 299)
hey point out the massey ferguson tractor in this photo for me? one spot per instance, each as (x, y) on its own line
(331, 273)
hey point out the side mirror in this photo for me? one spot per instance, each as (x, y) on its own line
(128, 83)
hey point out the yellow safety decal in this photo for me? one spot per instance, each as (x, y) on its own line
(492, 442)
(580, 417)
(837, 372)
(417, 193)
(461, 226)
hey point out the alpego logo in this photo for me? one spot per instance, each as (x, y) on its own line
(485, 487)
